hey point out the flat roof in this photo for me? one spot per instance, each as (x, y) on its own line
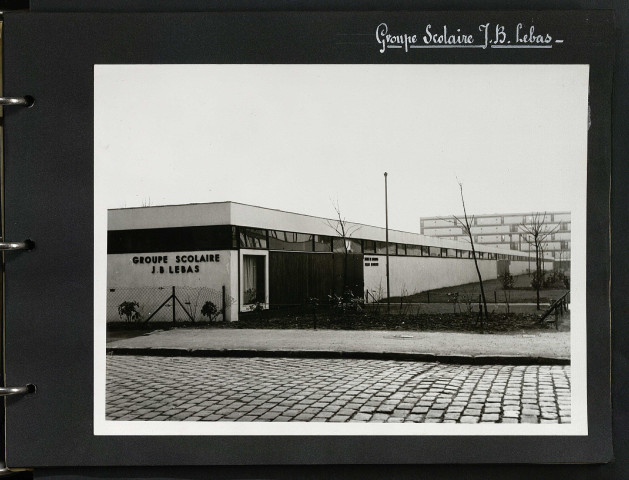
(245, 215)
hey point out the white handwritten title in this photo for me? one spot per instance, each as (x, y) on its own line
(488, 36)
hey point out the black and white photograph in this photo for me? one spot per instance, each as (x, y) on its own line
(322, 249)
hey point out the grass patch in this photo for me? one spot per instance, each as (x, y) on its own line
(522, 292)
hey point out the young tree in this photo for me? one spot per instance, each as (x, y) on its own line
(537, 231)
(344, 230)
(466, 225)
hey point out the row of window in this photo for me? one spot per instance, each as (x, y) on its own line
(515, 222)
(256, 238)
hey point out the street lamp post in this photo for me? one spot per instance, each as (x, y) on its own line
(386, 215)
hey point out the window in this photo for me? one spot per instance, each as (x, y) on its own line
(280, 240)
(414, 250)
(381, 248)
(401, 249)
(322, 243)
(352, 245)
(178, 239)
(435, 251)
(370, 246)
(425, 251)
(253, 279)
(252, 238)
(451, 252)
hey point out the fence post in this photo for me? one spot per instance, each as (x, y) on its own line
(223, 304)
(173, 298)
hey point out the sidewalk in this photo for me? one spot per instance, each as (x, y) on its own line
(448, 347)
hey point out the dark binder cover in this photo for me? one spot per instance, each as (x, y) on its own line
(49, 171)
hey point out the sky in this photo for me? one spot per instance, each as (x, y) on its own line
(300, 137)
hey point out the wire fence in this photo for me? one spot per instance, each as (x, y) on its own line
(166, 304)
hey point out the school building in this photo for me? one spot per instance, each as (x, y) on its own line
(273, 258)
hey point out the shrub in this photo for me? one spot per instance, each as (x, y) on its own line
(130, 311)
(453, 298)
(469, 300)
(507, 281)
(210, 310)
(537, 281)
(550, 279)
(348, 302)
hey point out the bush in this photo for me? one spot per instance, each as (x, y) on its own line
(210, 310)
(346, 303)
(507, 281)
(537, 281)
(130, 311)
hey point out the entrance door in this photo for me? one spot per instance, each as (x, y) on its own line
(254, 288)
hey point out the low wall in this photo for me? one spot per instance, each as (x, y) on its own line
(409, 275)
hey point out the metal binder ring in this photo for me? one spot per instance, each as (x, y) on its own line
(7, 391)
(6, 101)
(25, 245)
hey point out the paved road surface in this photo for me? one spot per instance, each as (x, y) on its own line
(333, 390)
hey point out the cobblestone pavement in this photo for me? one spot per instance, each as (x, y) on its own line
(333, 390)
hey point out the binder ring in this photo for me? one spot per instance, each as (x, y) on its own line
(25, 245)
(8, 391)
(26, 101)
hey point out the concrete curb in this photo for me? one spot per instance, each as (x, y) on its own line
(417, 357)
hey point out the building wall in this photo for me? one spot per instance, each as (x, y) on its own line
(411, 275)
(195, 214)
(417, 274)
(519, 268)
(147, 282)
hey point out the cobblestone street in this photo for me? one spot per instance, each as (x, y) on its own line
(333, 390)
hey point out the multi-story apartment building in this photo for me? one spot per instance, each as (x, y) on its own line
(507, 230)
